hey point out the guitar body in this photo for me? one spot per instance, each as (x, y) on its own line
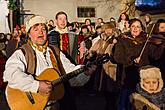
(18, 100)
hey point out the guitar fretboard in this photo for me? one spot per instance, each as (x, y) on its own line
(99, 60)
(68, 76)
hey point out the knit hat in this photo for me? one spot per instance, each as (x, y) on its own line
(35, 20)
(151, 72)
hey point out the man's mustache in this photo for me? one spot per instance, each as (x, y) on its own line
(40, 36)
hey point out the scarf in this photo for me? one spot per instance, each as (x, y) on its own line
(156, 98)
(40, 48)
(61, 31)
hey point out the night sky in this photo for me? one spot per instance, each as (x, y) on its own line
(147, 2)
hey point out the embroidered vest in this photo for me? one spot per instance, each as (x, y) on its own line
(69, 46)
(68, 43)
(30, 57)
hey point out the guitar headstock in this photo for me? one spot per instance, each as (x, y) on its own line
(98, 59)
(102, 58)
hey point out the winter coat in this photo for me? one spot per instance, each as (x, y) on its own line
(125, 51)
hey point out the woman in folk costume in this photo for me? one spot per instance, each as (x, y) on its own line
(4, 11)
(121, 21)
(84, 44)
(150, 92)
(104, 79)
(159, 30)
(148, 23)
(130, 55)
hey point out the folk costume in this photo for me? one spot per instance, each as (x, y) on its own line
(102, 46)
(67, 41)
(26, 64)
(125, 51)
(148, 24)
(143, 98)
(129, 48)
(104, 78)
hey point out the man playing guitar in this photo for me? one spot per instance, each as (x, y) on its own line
(31, 70)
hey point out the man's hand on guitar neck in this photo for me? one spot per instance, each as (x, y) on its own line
(91, 65)
(44, 87)
(90, 69)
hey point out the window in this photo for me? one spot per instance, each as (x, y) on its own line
(86, 12)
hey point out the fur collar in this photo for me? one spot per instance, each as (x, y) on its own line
(156, 98)
(139, 97)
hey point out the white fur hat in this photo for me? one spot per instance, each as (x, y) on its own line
(151, 72)
(35, 20)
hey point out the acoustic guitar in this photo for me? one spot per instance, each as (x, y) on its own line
(19, 100)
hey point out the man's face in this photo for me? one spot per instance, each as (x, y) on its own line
(108, 32)
(136, 28)
(151, 84)
(162, 27)
(38, 34)
(61, 21)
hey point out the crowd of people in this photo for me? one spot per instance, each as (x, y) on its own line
(131, 79)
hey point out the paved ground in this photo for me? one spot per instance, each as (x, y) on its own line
(90, 102)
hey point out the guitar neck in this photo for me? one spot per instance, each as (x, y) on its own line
(99, 60)
(68, 76)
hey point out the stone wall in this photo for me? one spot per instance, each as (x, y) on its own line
(104, 9)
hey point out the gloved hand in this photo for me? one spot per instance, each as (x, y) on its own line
(90, 68)
(94, 61)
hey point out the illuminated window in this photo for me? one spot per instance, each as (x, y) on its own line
(86, 12)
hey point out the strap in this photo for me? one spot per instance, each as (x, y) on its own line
(75, 48)
(56, 52)
(54, 62)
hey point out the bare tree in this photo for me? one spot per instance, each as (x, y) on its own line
(127, 6)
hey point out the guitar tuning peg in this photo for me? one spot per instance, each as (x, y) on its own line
(103, 58)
